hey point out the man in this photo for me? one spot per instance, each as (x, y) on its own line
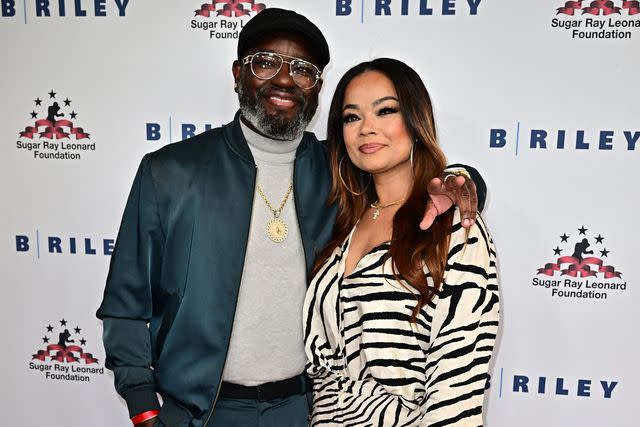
(203, 300)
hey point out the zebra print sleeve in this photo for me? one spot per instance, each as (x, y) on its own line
(463, 333)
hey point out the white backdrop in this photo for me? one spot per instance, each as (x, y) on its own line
(122, 71)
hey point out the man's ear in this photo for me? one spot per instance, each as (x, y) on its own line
(319, 84)
(236, 69)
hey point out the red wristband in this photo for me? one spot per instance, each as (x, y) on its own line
(140, 418)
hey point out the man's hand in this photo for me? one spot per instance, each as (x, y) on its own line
(447, 190)
(148, 423)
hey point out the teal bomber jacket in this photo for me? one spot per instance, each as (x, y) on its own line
(175, 272)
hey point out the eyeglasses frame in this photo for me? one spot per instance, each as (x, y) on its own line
(247, 60)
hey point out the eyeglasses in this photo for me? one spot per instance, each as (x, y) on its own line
(265, 66)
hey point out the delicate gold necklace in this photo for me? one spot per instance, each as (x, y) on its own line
(377, 207)
(276, 228)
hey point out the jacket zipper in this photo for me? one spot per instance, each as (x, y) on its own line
(306, 269)
(295, 204)
(215, 399)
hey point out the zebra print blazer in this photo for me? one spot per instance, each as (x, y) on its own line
(371, 367)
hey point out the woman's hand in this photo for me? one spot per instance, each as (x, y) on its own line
(447, 190)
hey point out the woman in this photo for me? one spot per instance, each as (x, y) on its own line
(399, 324)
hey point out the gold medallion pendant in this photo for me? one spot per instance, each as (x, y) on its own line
(277, 230)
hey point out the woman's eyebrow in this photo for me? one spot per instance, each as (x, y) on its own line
(374, 103)
(384, 98)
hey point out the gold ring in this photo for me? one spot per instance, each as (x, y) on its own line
(457, 172)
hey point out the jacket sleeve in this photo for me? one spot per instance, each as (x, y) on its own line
(463, 333)
(481, 186)
(126, 308)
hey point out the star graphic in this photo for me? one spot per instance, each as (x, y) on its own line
(38, 101)
(557, 251)
(604, 252)
(63, 322)
(599, 239)
(583, 230)
(564, 237)
(73, 114)
(83, 341)
(52, 94)
(45, 340)
(49, 328)
(34, 114)
(77, 330)
(67, 102)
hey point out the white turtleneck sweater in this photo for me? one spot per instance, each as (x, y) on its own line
(266, 342)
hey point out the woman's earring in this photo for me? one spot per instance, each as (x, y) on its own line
(411, 154)
(235, 87)
(345, 184)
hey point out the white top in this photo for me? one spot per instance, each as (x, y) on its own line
(372, 367)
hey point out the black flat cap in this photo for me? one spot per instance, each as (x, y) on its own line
(275, 19)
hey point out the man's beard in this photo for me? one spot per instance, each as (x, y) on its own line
(273, 126)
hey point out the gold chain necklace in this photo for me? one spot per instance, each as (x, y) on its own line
(377, 207)
(276, 228)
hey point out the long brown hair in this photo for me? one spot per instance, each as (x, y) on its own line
(411, 248)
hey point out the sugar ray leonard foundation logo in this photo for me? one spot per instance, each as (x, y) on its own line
(54, 133)
(581, 269)
(598, 19)
(62, 355)
(223, 19)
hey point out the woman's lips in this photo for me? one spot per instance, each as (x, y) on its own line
(370, 148)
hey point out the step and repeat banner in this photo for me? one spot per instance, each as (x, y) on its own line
(542, 97)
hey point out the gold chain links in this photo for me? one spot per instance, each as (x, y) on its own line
(276, 212)
(377, 208)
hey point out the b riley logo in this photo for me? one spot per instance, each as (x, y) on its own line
(43, 9)
(63, 356)
(223, 19)
(599, 19)
(581, 269)
(54, 134)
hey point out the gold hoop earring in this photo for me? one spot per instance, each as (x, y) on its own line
(345, 184)
(411, 154)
